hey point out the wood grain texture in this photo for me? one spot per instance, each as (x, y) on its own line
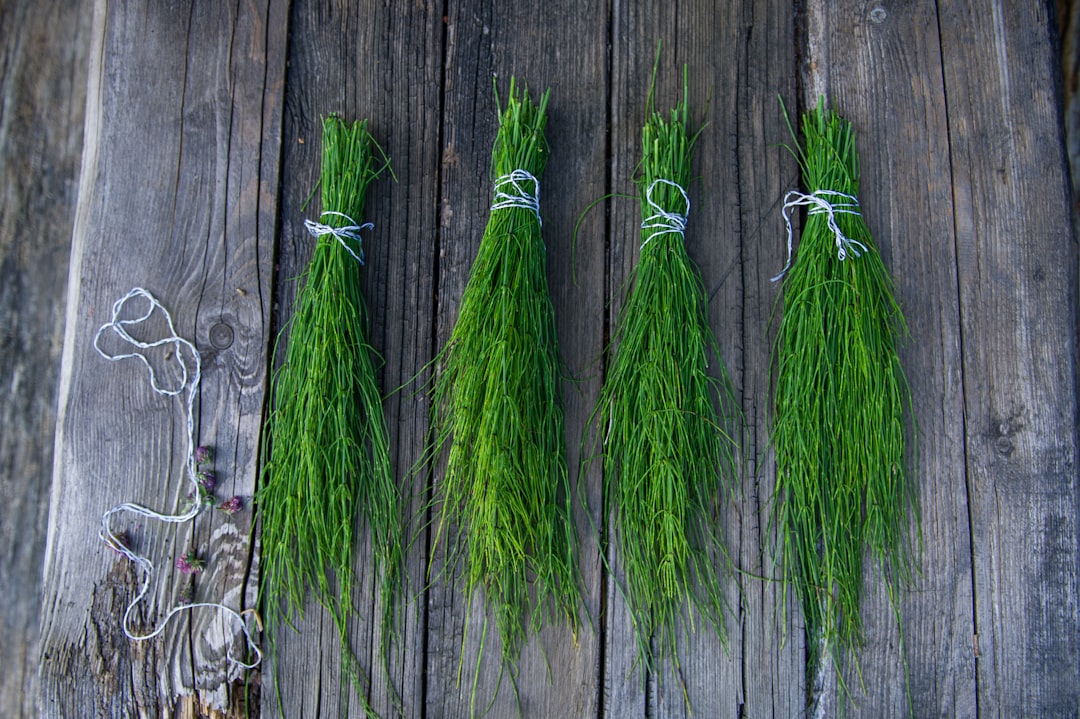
(561, 45)
(945, 142)
(383, 62)
(773, 640)
(201, 150)
(1018, 293)
(884, 74)
(43, 86)
(178, 194)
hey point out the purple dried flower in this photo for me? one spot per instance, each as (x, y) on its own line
(119, 542)
(190, 563)
(207, 480)
(203, 455)
(232, 506)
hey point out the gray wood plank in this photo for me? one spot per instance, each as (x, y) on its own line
(561, 45)
(177, 193)
(892, 89)
(957, 111)
(1018, 308)
(43, 86)
(773, 651)
(382, 62)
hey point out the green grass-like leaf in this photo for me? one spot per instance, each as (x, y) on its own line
(842, 479)
(668, 454)
(504, 497)
(328, 462)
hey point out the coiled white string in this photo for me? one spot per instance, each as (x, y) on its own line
(345, 234)
(819, 205)
(509, 192)
(663, 222)
(183, 352)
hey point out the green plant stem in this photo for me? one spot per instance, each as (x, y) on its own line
(841, 397)
(328, 462)
(666, 453)
(504, 496)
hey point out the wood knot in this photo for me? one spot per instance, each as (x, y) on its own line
(1003, 431)
(221, 336)
(1004, 446)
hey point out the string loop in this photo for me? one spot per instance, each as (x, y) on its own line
(664, 222)
(511, 192)
(819, 204)
(190, 366)
(344, 234)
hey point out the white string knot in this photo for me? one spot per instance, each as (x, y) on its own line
(510, 192)
(344, 234)
(845, 205)
(190, 366)
(663, 222)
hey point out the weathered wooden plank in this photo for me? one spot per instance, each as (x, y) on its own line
(180, 183)
(383, 62)
(880, 67)
(178, 194)
(540, 46)
(1018, 308)
(773, 649)
(43, 83)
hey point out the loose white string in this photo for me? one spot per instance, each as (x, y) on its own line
(509, 192)
(345, 234)
(819, 205)
(663, 222)
(183, 352)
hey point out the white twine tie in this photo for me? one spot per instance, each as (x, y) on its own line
(344, 234)
(819, 205)
(509, 192)
(663, 222)
(190, 377)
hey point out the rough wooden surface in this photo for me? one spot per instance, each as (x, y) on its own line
(178, 193)
(954, 108)
(1015, 250)
(43, 91)
(964, 187)
(772, 642)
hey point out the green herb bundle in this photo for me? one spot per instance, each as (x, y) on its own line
(505, 500)
(668, 461)
(328, 453)
(841, 397)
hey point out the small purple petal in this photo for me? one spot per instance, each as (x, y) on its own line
(189, 563)
(119, 542)
(203, 455)
(232, 506)
(207, 480)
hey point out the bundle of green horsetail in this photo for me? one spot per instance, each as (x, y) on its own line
(328, 461)
(663, 419)
(841, 398)
(504, 496)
